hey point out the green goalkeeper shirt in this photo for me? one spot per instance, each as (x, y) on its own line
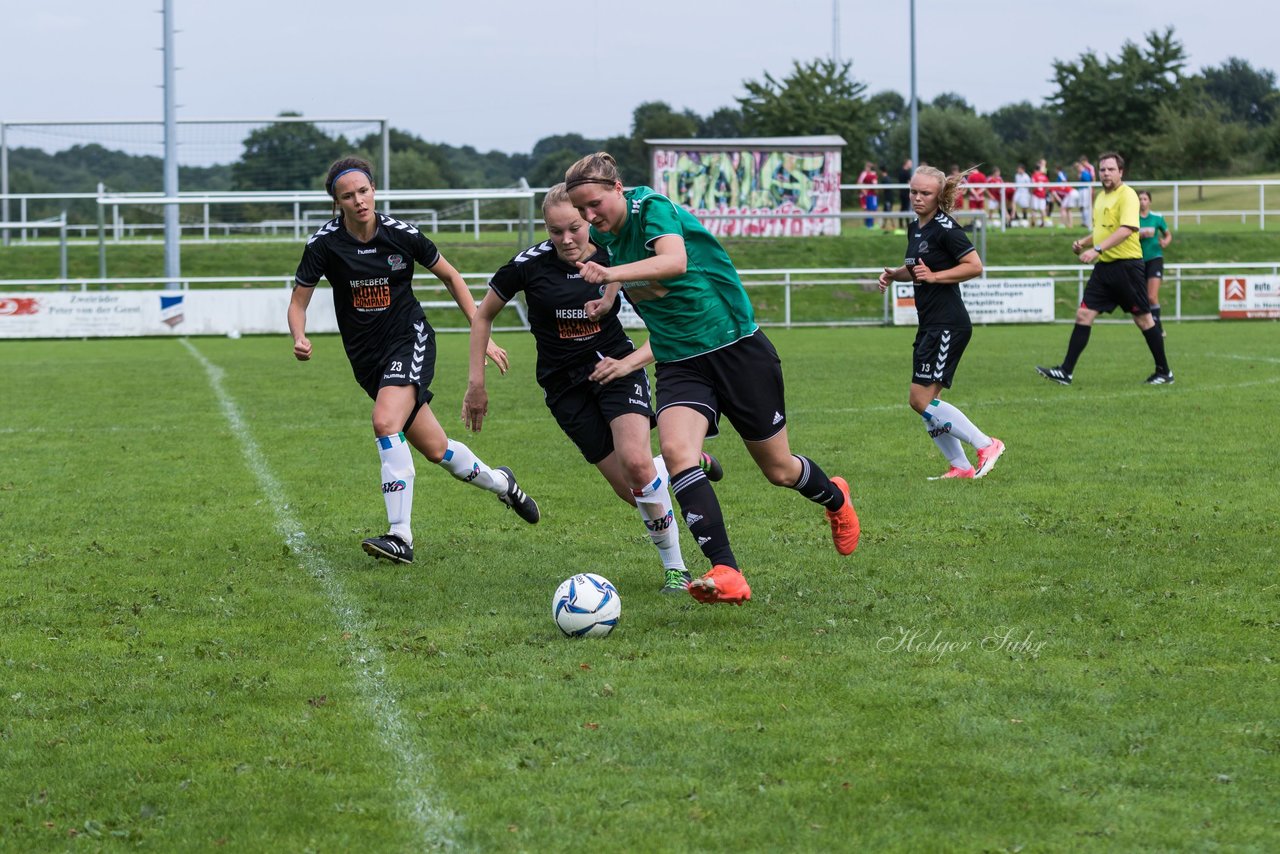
(701, 310)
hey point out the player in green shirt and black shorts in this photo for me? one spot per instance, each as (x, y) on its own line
(1154, 235)
(711, 355)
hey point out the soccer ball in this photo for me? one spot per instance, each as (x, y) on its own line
(586, 606)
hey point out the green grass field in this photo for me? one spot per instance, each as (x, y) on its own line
(1075, 653)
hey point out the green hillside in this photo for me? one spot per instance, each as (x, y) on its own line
(856, 248)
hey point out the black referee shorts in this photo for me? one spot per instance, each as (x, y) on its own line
(1121, 284)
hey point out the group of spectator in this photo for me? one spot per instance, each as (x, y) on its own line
(1028, 199)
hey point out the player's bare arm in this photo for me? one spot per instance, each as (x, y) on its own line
(968, 267)
(609, 369)
(298, 302)
(475, 403)
(668, 261)
(598, 308)
(457, 287)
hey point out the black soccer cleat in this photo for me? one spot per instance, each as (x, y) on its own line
(526, 508)
(1160, 378)
(711, 467)
(1056, 374)
(389, 547)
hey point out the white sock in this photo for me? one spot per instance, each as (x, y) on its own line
(654, 504)
(468, 468)
(397, 483)
(961, 427)
(948, 444)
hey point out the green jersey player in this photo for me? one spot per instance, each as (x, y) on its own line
(712, 359)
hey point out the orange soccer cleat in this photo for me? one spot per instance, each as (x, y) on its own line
(845, 527)
(987, 457)
(957, 472)
(721, 584)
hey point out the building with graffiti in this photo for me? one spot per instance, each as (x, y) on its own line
(761, 186)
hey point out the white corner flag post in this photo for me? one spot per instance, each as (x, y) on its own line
(172, 232)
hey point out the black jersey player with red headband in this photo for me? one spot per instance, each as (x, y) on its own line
(368, 258)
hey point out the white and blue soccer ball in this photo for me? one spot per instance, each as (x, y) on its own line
(586, 606)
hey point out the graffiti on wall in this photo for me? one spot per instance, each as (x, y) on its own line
(754, 193)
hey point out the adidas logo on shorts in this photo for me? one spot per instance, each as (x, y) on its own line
(777, 417)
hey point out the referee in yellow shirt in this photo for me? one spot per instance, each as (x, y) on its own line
(1118, 277)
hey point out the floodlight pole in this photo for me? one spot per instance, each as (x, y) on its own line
(172, 233)
(915, 109)
(835, 32)
(4, 181)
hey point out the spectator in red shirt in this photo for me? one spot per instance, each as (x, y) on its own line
(976, 193)
(999, 198)
(1039, 194)
(1065, 195)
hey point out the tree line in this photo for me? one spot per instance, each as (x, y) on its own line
(1143, 102)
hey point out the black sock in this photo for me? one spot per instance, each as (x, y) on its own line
(1156, 342)
(816, 486)
(1079, 340)
(700, 510)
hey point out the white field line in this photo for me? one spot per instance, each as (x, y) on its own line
(1268, 359)
(437, 824)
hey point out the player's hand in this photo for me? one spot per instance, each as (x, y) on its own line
(885, 278)
(919, 271)
(475, 406)
(302, 349)
(593, 273)
(498, 356)
(607, 370)
(598, 308)
(1088, 256)
(1076, 247)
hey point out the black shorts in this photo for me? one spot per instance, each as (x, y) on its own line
(1154, 267)
(937, 352)
(743, 380)
(411, 361)
(1117, 284)
(584, 410)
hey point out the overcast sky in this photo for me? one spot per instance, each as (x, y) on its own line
(503, 74)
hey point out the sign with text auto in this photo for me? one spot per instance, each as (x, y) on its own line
(1248, 296)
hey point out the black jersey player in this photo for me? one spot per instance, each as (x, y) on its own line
(608, 423)
(939, 257)
(368, 258)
